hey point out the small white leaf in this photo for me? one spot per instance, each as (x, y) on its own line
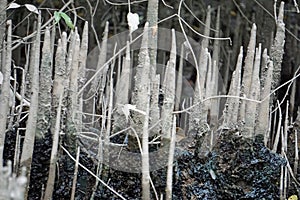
(1, 78)
(13, 6)
(126, 110)
(212, 174)
(133, 21)
(32, 8)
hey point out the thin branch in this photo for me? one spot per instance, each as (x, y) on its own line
(287, 90)
(290, 169)
(296, 6)
(75, 174)
(129, 7)
(91, 173)
(216, 97)
(204, 36)
(242, 13)
(166, 4)
(154, 190)
(278, 130)
(248, 99)
(92, 13)
(124, 4)
(197, 19)
(190, 47)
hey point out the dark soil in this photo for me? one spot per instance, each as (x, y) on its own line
(237, 168)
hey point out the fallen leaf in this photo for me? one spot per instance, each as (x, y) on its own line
(32, 8)
(13, 6)
(133, 21)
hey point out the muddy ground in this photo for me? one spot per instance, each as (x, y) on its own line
(236, 168)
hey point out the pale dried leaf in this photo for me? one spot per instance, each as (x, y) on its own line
(212, 174)
(133, 21)
(127, 107)
(13, 6)
(31, 8)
